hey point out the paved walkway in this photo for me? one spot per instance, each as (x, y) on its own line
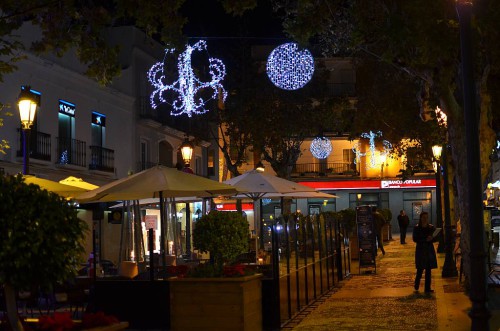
(386, 300)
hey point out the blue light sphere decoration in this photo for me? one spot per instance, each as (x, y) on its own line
(290, 68)
(321, 147)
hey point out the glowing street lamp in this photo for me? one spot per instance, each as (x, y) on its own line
(187, 152)
(449, 267)
(27, 103)
(436, 151)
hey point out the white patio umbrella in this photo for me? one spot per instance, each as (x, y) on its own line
(159, 181)
(256, 185)
(67, 191)
(78, 182)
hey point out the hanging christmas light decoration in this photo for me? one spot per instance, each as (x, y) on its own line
(288, 68)
(321, 147)
(386, 146)
(188, 87)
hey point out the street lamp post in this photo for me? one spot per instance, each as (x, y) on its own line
(436, 151)
(479, 312)
(27, 103)
(187, 154)
(449, 267)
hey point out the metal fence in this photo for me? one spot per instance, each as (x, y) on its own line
(309, 256)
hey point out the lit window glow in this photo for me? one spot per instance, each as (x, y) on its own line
(288, 68)
(188, 86)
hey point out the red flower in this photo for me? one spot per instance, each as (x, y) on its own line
(57, 322)
(92, 320)
(234, 270)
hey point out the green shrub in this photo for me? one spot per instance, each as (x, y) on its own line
(223, 234)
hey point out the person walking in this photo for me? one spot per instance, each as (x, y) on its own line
(425, 254)
(379, 224)
(403, 222)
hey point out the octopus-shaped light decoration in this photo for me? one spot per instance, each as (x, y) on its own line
(188, 86)
(387, 146)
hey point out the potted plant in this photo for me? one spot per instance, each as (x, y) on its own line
(41, 240)
(219, 293)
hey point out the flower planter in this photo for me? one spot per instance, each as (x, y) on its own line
(214, 303)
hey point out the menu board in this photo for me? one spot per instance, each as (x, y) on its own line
(366, 237)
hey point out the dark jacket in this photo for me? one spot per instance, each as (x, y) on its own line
(403, 221)
(379, 221)
(425, 254)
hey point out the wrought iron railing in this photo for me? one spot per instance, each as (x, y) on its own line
(325, 169)
(40, 145)
(309, 258)
(102, 159)
(71, 151)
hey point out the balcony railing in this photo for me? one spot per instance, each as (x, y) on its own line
(39, 145)
(102, 159)
(325, 169)
(71, 151)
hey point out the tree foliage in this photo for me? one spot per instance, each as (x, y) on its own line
(420, 39)
(41, 238)
(81, 26)
(223, 234)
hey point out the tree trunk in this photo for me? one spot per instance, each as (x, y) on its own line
(11, 305)
(456, 139)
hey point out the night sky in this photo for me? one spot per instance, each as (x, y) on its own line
(207, 19)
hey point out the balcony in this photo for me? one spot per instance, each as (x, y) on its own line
(71, 152)
(327, 169)
(102, 159)
(39, 144)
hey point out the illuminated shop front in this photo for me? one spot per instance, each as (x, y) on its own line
(413, 195)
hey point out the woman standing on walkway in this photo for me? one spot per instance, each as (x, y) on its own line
(425, 255)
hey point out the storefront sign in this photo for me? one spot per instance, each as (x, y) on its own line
(150, 221)
(371, 184)
(400, 183)
(232, 206)
(98, 119)
(67, 108)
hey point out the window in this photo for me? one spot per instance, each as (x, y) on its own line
(348, 157)
(211, 163)
(66, 145)
(380, 200)
(98, 128)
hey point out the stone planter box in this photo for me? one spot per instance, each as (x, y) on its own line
(216, 303)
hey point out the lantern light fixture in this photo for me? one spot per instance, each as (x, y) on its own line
(186, 151)
(436, 151)
(27, 102)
